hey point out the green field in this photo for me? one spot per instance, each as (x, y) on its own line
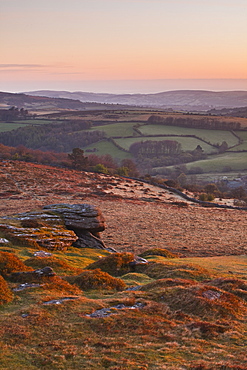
(36, 121)
(187, 143)
(127, 136)
(117, 129)
(217, 163)
(106, 147)
(211, 136)
(217, 176)
(8, 126)
(243, 136)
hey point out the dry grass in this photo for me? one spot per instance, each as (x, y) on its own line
(97, 279)
(116, 264)
(158, 252)
(5, 293)
(10, 263)
(148, 218)
(162, 270)
(59, 266)
(191, 316)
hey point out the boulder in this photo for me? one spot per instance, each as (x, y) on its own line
(52, 237)
(57, 227)
(85, 220)
(80, 217)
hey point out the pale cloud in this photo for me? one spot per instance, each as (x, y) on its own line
(11, 65)
(22, 66)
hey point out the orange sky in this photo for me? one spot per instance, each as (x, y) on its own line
(51, 44)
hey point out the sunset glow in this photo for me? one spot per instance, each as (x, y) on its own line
(75, 44)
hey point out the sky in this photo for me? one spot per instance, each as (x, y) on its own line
(123, 45)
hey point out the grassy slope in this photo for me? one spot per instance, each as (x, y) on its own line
(216, 164)
(177, 328)
(243, 136)
(187, 143)
(107, 147)
(8, 126)
(237, 161)
(117, 129)
(62, 336)
(212, 136)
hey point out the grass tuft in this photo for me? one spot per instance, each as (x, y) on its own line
(116, 264)
(58, 265)
(10, 263)
(163, 270)
(97, 279)
(158, 252)
(6, 295)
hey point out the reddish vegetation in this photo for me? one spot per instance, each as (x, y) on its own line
(97, 279)
(10, 263)
(56, 264)
(5, 293)
(138, 216)
(116, 264)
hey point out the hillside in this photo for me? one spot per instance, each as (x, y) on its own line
(172, 297)
(198, 100)
(45, 104)
(147, 214)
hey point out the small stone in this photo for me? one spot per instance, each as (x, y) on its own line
(42, 254)
(211, 294)
(4, 241)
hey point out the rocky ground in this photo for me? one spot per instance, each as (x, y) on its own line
(138, 216)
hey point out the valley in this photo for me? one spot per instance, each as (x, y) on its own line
(163, 286)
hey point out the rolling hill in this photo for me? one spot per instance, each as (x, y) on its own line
(198, 100)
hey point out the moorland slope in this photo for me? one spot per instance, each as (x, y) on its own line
(173, 298)
(139, 216)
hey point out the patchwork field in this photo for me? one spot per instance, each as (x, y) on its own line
(125, 127)
(211, 136)
(187, 143)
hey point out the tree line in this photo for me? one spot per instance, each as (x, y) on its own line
(151, 148)
(202, 122)
(13, 114)
(57, 136)
(74, 160)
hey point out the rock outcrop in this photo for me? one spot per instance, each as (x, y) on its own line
(57, 227)
(85, 220)
(52, 237)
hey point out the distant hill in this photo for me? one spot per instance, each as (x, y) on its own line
(198, 100)
(232, 112)
(38, 102)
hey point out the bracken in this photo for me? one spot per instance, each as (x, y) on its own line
(97, 279)
(10, 263)
(5, 293)
(116, 264)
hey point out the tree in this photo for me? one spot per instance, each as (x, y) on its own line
(182, 179)
(123, 171)
(79, 161)
(223, 147)
(100, 168)
(131, 166)
(211, 188)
